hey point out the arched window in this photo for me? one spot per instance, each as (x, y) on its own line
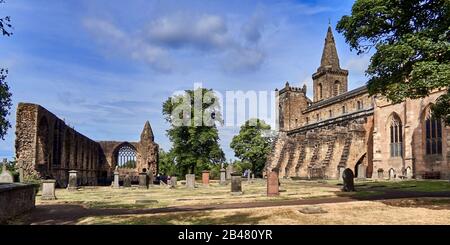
(396, 137)
(343, 109)
(319, 91)
(433, 134)
(359, 105)
(126, 156)
(337, 87)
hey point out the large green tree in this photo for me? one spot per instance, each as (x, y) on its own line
(193, 116)
(5, 94)
(250, 146)
(166, 163)
(412, 49)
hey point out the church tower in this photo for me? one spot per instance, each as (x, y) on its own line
(329, 80)
(147, 159)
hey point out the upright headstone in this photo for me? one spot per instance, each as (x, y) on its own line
(48, 189)
(229, 171)
(6, 176)
(248, 175)
(190, 181)
(143, 180)
(340, 172)
(348, 178)
(173, 182)
(223, 177)
(205, 177)
(151, 179)
(253, 177)
(236, 184)
(73, 181)
(273, 188)
(116, 179)
(127, 181)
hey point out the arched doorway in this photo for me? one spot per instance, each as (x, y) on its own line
(360, 167)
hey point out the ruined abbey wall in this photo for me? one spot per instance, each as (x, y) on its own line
(48, 148)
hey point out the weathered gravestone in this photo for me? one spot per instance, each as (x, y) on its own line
(173, 182)
(223, 177)
(248, 175)
(151, 179)
(236, 184)
(48, 189)
(205, 177)
(116, 179)
(229, 170)
(348, 178)
(273, 187)
(312, 210)
(190, 181)
(6, 176)
(143, 180)
(127, 181)
(73, 181)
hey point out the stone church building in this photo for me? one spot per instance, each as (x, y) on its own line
(46, 147)
(339, 129)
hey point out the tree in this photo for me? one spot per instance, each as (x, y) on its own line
(166, 163)
(193, 132)
(5, 94)
(412, 42)
(250, 146)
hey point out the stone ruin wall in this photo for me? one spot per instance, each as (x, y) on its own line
(47, 147)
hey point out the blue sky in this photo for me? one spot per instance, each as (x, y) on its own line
(106, 66)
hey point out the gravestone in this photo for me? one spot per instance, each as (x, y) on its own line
(205, 177)
(253, 177)
(173, 182)
(73, 181)
(340, 172)
(127, 181)
(48, 189)
(248, 175)
(151, 179)
(223, 177)
(6, 176)
(273, 188)
(190, 181)
(229, 170)
(116, 179)
(348, 178)
(236, 184)
(312, 210)
(143, 180)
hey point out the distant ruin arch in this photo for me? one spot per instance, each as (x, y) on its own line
(125, 155)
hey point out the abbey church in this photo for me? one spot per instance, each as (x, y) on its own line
(339, 129)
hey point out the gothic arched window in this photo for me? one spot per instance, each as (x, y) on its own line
(337, 87)
(396, 137)
(319, 91)
(126, 156)
(433, 134)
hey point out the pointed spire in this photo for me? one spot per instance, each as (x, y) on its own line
(330, 57)
(147, 133)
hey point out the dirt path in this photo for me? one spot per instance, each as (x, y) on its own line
(71, 214)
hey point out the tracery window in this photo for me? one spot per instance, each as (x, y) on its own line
(396, 134)
(433, 134)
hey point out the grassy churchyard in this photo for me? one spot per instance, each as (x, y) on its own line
(375, 202)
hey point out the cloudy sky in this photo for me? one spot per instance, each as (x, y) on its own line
(106, 66)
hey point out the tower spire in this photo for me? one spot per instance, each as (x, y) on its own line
(147, 133)
(330, 57)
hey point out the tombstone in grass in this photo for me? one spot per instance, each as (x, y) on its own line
(48, 189)
(127, 181)
(348, 178)
(236, 184)
(173, 182)
(205, 177)
(116, 179)
(273, 184)
(229, 170)
(253, 177)
(73, 181)
(223, 177)
(249, 172)
(6, 176)
(143, 180)
(190, 181)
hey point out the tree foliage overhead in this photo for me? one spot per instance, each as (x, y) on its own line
(412, 43)
(195, 144)
(5, 94)
(250, 146)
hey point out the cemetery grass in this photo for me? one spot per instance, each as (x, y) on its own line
(402, 211)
